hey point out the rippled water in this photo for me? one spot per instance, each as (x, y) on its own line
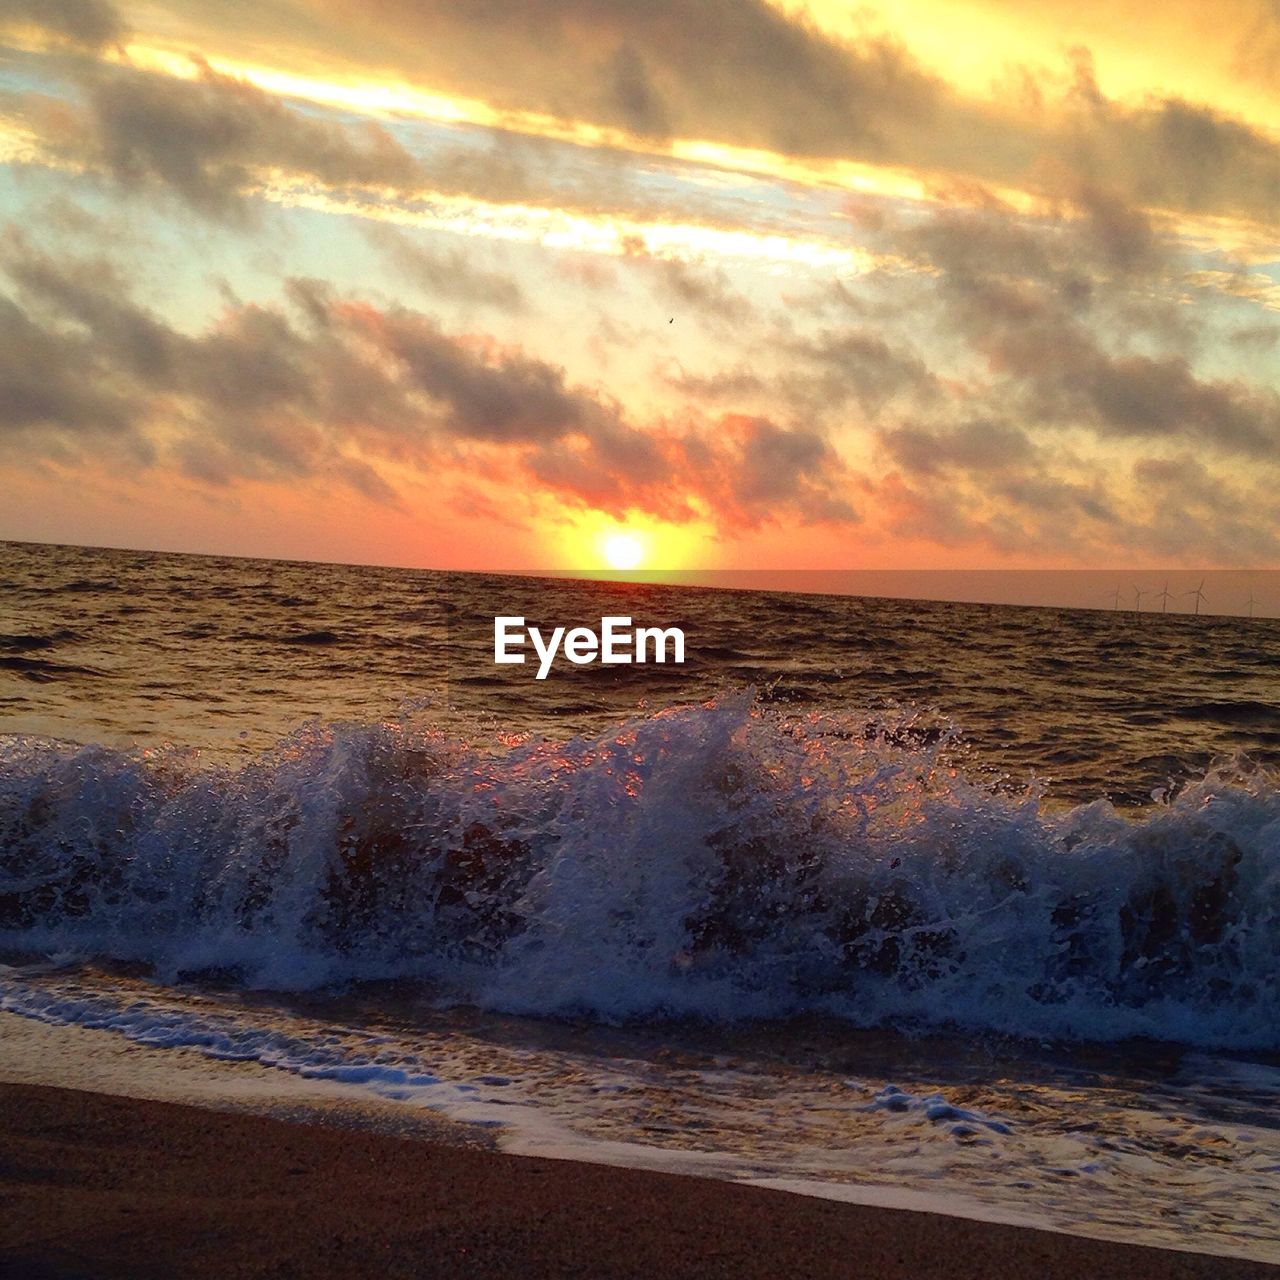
(230, 655)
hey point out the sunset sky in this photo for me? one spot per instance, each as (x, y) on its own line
(925, 284)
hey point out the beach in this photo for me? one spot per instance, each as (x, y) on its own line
(101, 1186)
(140, 1161)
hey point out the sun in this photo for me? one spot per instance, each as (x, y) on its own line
(622, 550)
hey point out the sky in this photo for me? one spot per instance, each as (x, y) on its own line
(694, 284)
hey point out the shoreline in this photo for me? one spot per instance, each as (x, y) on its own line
(101, 1061)
(99, 1185)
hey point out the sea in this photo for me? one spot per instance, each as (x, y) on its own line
(959, 907)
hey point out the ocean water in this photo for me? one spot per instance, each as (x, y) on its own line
(937, 904)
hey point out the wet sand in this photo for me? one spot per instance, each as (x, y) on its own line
(94, 1185)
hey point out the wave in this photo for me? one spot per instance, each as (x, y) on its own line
(720, 861)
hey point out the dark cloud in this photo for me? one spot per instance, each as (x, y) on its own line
(1062, 375)
(448, 273)
(92, 24)
(707, 291)
(504, 397)
(615, 470)
(819, 377)
(980, 446)
(1258, 338)
(1163, 153)
(744, 72)
(1067, 327)
(1125, 236)
(737, 70)
(725, 384)
(130, 340)
(855, 364)
(52, 385)
(1183, 155)
(208, 139)
(337, 388)
(1016, 510)
(214, 141)
(1054, 500)
(1194, 513)
(629, 94)
(1025, 298)
(777, 467)
(755, 469)
(750, 73)
(988, 483)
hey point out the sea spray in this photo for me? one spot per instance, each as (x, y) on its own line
(724, 860)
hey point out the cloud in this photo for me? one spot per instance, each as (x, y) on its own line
(858, 365)
(982, 446)
(724, 384)
(1062, 375)
(1034, 302)
(704, 290)
(342, 390)
(992, 486)
(986, 482)
(1257, 54)
(44, 387)
(1062, 512)
(766, 468)
(1071, 377)
(1194, 513)
(491, 395)
(209, 140)
(629, 93)
(448, 273)
(737, 70)
(755, 75)
(214, 142)
(744, 72)
(92, 24)
(1125, 237)
(1182, 155)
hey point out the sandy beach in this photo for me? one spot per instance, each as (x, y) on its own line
(101, 1186)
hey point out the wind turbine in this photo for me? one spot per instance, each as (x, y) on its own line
(1138, 593)
(1116, 598)
(1251, 602)
(1199, 595)
(1164, 596)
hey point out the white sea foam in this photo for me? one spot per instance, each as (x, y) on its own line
(722, 861)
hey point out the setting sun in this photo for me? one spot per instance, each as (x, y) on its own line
(593, 542)
(622, 550)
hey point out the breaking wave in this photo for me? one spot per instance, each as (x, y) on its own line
(721, 861)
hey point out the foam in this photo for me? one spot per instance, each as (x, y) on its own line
(722, 861)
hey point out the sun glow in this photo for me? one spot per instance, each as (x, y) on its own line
(623, 550)
(592, 542)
